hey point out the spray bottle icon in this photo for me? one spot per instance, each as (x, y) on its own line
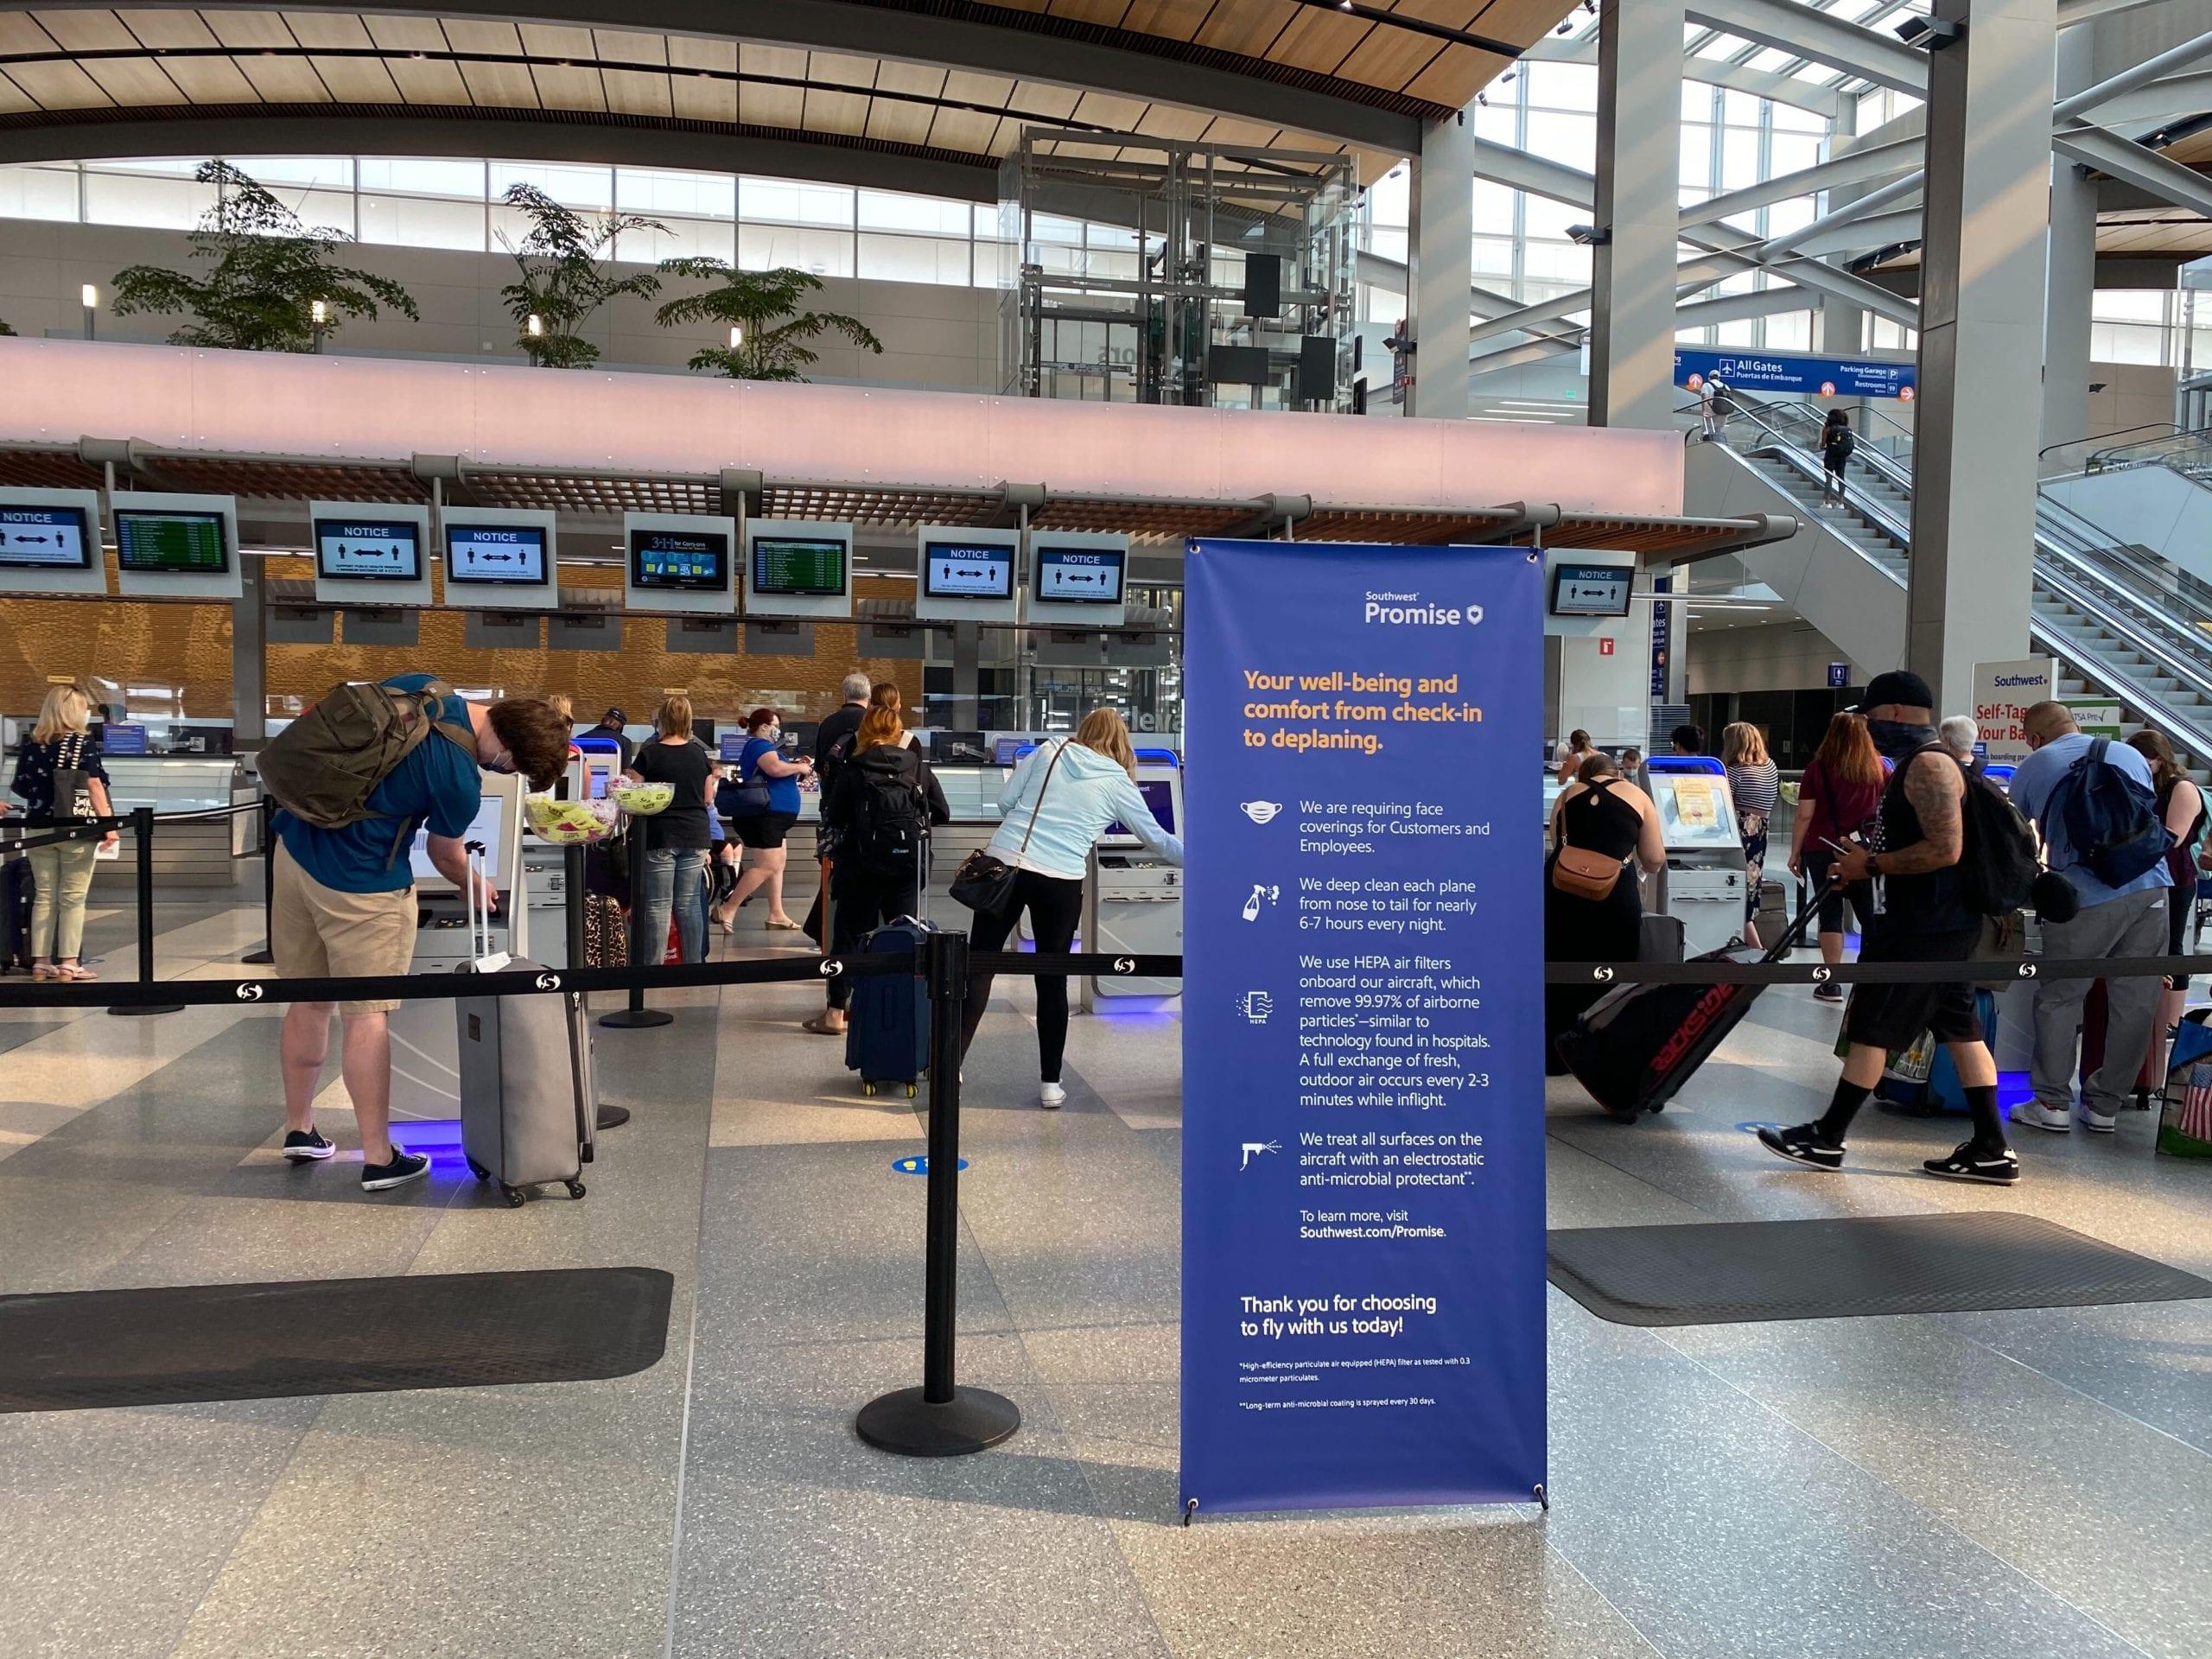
(1260, 892)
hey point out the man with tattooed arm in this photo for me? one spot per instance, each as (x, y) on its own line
(1920, 915)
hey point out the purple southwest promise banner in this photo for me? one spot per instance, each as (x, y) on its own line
(1363, 1011)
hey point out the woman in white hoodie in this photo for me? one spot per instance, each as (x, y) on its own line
(1059, 801)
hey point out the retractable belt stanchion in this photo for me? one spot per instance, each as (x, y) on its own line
(940, 1420)
(637, 1016)
(142, 836)
(267, 953)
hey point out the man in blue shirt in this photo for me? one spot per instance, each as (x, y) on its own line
(343, 904)
(2129, 921)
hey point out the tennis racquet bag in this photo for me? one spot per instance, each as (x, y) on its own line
(1636, 1046)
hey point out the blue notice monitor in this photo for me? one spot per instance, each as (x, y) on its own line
(45, 538)
(504, 554)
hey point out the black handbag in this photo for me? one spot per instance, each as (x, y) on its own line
(984, 882)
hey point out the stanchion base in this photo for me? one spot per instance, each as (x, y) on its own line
(260, 958)
(610, 1117)
(636, 1019)
(972, 1421)
(147, 1008)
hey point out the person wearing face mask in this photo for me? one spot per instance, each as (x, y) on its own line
(1920, 914)
(761, 828)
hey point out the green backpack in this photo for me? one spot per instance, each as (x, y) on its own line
(323, 767)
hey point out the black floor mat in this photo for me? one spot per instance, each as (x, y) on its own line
(1727, 1272)
(187, 1343)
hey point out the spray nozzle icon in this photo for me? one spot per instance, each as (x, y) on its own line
(1251, 1146)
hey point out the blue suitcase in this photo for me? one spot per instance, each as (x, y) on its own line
(887, 1027)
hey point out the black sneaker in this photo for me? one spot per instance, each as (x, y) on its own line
(1803, 1145)
(1970, 1163)
(306, 1146)
(1829, 992)
(404, 1167)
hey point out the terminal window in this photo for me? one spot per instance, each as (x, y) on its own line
(53, 538)
(172, 543)
(798, 567)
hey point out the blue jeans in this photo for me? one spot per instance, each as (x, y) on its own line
(672, 876)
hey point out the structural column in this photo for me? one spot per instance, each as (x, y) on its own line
(249, 656)
(1443, 267)
(1638, 212)
(1981, 303)
(2071, 269)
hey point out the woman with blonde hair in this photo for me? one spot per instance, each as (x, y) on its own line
(1755, 785)
(881, 806)
(1061, 799)
(60, 778)
(677, 838)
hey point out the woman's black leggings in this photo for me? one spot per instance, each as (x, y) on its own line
(1055, 907)
(863, 902)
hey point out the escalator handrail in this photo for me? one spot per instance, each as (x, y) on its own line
(2195, 739)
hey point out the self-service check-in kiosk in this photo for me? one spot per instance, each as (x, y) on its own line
(1702, 886)
(1134, 898)
(425, 1043)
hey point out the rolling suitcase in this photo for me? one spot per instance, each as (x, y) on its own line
(528, 1106)
(16, 888)
(887, 1027)
(1636, 1046)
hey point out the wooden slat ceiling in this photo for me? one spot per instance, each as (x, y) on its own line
(77, 64)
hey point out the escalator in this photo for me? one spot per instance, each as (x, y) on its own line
(2124, 624)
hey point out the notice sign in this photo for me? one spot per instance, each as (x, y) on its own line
(2003, 694)
(1363, 1008)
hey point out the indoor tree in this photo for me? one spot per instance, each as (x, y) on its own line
(770, 341)
(265, 269)
(566, 274)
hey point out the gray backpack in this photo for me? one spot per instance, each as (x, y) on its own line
(323, 767)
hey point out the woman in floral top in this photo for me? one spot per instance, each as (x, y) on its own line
(61, 751)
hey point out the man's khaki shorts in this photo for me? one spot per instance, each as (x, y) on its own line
(317, 933)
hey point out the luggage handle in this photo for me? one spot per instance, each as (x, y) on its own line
(477, 904)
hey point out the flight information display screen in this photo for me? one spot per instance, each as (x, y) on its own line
(685, 561)
(1592, 589)
(368, 549)
(53, 539)
(493, 553)
(795, 566)
(1079, 575)
(967, 570)
(176, 544)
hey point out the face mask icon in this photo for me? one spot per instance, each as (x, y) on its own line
(1260, 811)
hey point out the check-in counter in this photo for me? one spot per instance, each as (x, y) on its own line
(203, 853)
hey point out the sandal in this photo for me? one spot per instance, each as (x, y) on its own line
(821, 1026)
(43, 970)
(787, 925)
(74, 970)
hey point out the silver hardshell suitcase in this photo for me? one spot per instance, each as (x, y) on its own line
(528, 1106)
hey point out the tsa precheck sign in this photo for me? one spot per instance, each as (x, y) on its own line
(1362, 1098)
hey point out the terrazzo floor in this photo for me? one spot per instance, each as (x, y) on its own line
(2000, 1484)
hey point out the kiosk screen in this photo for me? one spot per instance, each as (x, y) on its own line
(172, 543)
(793, 567)
(53, 539)
(685, 561)
(367, 550)
(1079, 575)
(496, 553)
(966, 570)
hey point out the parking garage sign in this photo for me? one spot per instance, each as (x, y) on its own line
(1363, 1011)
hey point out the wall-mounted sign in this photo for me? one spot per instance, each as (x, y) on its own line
(1796, 372)
(799, 568)
(500, 559)
(967, 575)
(50, 542)
(1078, 580)
(679, 562)
(176, 546)
(370, 553)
